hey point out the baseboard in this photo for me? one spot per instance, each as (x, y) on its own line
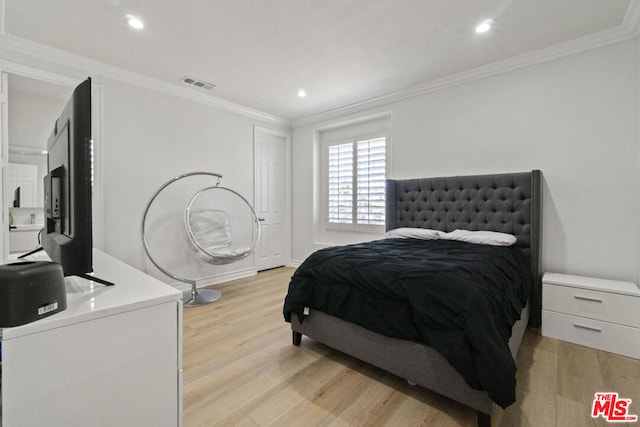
(217, 279)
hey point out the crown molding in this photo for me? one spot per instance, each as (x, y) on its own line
(36, 53)
(629, 29)
(12, 67)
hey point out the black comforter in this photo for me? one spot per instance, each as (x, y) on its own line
(460, 298)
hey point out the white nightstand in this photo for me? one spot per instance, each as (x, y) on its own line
(598, 313)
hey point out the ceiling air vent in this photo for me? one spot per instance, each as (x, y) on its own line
(197, 83)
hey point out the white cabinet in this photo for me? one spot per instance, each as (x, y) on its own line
(24, 238)
(112, 358)
(598, 313)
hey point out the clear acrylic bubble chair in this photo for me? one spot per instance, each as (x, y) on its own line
(193, 226)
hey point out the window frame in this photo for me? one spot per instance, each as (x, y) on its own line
(354, 226)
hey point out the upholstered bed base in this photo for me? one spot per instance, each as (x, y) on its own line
(417, 363)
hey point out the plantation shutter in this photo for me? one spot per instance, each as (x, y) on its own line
(341, 183)
(356, 178)
(370, 181)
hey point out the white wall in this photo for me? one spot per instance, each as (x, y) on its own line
(31, 120)
(575, 118)
(150, 138)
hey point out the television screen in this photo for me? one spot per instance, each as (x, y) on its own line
(16, 198)
(67, 235)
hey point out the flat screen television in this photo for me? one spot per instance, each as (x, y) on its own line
(16, 198)
(67, 234)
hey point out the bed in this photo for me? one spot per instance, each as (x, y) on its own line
(403, 344)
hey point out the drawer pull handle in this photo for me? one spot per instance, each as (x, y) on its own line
(587, 298)
(589, 328)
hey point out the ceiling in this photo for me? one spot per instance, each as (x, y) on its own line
(258, 53)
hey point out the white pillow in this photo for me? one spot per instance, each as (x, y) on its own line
(414, 233)
(482, 237)
(210, 228)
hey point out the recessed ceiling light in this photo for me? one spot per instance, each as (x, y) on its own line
(302, 93)
(484, 26)
(134, 22)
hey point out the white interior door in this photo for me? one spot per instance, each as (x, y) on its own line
(271, 198)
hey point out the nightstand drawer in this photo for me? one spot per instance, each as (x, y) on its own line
(610, 307)
(592, 333)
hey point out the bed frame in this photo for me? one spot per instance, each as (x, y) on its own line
(509, 203)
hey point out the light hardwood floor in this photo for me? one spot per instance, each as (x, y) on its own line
(240, 369)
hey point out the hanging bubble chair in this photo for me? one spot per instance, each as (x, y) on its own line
(193, 225)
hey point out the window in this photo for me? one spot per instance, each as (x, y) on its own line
(356, 184)
(351, 163)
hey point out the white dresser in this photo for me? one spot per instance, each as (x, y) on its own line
(598, 313)
(112, 358)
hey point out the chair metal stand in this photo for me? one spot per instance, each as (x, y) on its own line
(196, 297)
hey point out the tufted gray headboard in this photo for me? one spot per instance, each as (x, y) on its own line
(508, 203)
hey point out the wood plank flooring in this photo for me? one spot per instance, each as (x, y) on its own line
(240, 369)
